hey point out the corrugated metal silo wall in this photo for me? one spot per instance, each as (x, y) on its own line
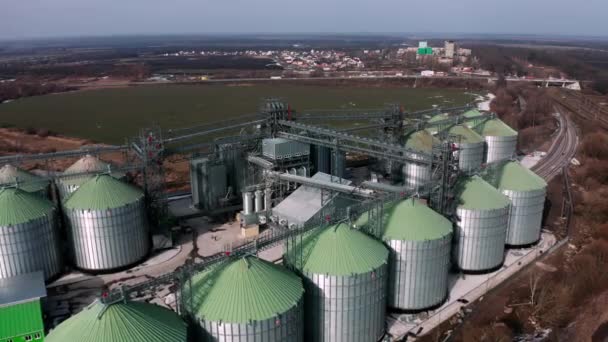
(500, 148)
(109, 239)
(526, 216)
(470, 156)
(416, 175)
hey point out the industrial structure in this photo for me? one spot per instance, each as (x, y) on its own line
(20, 308)
(350, 245)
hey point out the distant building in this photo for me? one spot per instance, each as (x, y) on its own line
(449, 48)
(20, 308)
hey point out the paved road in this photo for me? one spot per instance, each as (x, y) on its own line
(562, 150)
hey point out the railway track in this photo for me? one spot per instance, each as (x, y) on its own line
(581, 106)
(562, 150)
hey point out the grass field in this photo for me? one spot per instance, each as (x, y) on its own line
(111, 115)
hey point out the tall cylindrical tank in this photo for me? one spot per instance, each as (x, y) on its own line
(419, 241)
(29, 239)
(481, 229)
(107, 224)
(527, 192)
(246, 299)
(345, 274)
(501, 140)
(121, 321)
(81, 171)
(470, 148)
(267, 198)
(248, 203)
(321, 158)
(11, 175)
(417, 175)
(259, 201)
(338, 163)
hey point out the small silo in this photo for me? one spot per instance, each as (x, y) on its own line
(501, 140)
(419, 241)
(107, 224)
(345, 277)
(81, 171)
(481, 228)
(28, 234)
(245, 299)
(470, 147)
(527, 191)
(417, 175)
(121, 321)
(11, 175)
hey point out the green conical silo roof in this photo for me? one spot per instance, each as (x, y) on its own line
(87, 163)
(338, 251)
(475, 193)
(412, 220)
(103, 192)
(513, 176)
(467, 135)
(10, 175)
(243, 290)
(495, 128)
(121, 322)
(421, 141)
(472, 113)
(18, 206)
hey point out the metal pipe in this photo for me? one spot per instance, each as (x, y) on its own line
(343, 188)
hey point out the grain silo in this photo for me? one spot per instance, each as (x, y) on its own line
(527, 191)
(345, 277)
(28, 234)
(245, 299)
(501, 140)
(121, 321)
(416, 175)
(481, 228)
(11, 175)
(81, 171)
(419, 241)
(107, 224)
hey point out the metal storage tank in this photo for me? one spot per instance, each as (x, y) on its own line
(28, 234)
(121, 321)
(345, 277)
(419, 241)
(10, 175)
(417, 175)
(267, 198)
(259, 201)
(248, 203)
(107, 224)
(481, 229)
(527, 191)
(246, 299)
(501, 140)
(338, 163)
(88, 164)
(321, 158)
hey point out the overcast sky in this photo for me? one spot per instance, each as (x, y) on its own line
(44, 18)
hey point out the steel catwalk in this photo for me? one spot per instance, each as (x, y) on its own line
(345, 308)
(479, 239)
(418, 273)
(286, 327)
(500, 147)
(526, 216)
(29, 247)
(109, 239)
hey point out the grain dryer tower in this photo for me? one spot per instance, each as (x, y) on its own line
(527, 191)
(419, 241)
(107, 224)
(345, 274)
(28, 234)
(482, 220)
(245, 299)
(121, 321)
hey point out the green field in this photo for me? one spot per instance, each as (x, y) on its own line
(111, 115)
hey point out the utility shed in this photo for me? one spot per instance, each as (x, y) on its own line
(304, 203)
(20, 310)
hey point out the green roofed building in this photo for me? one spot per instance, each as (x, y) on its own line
(20, 308)
(344, 274)
(123, 321)
(246, 299)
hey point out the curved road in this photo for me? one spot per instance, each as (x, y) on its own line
(562, 150)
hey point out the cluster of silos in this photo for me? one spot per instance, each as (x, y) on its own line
(527, 192)
(107, 224)
(345, 277)
(481, 228)
(28, 234)
(14, 176)
(80, 172)
(257, 201)
(419, 241)
(416, 175)
(121, 321)
(245, 299)
(501, 140)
